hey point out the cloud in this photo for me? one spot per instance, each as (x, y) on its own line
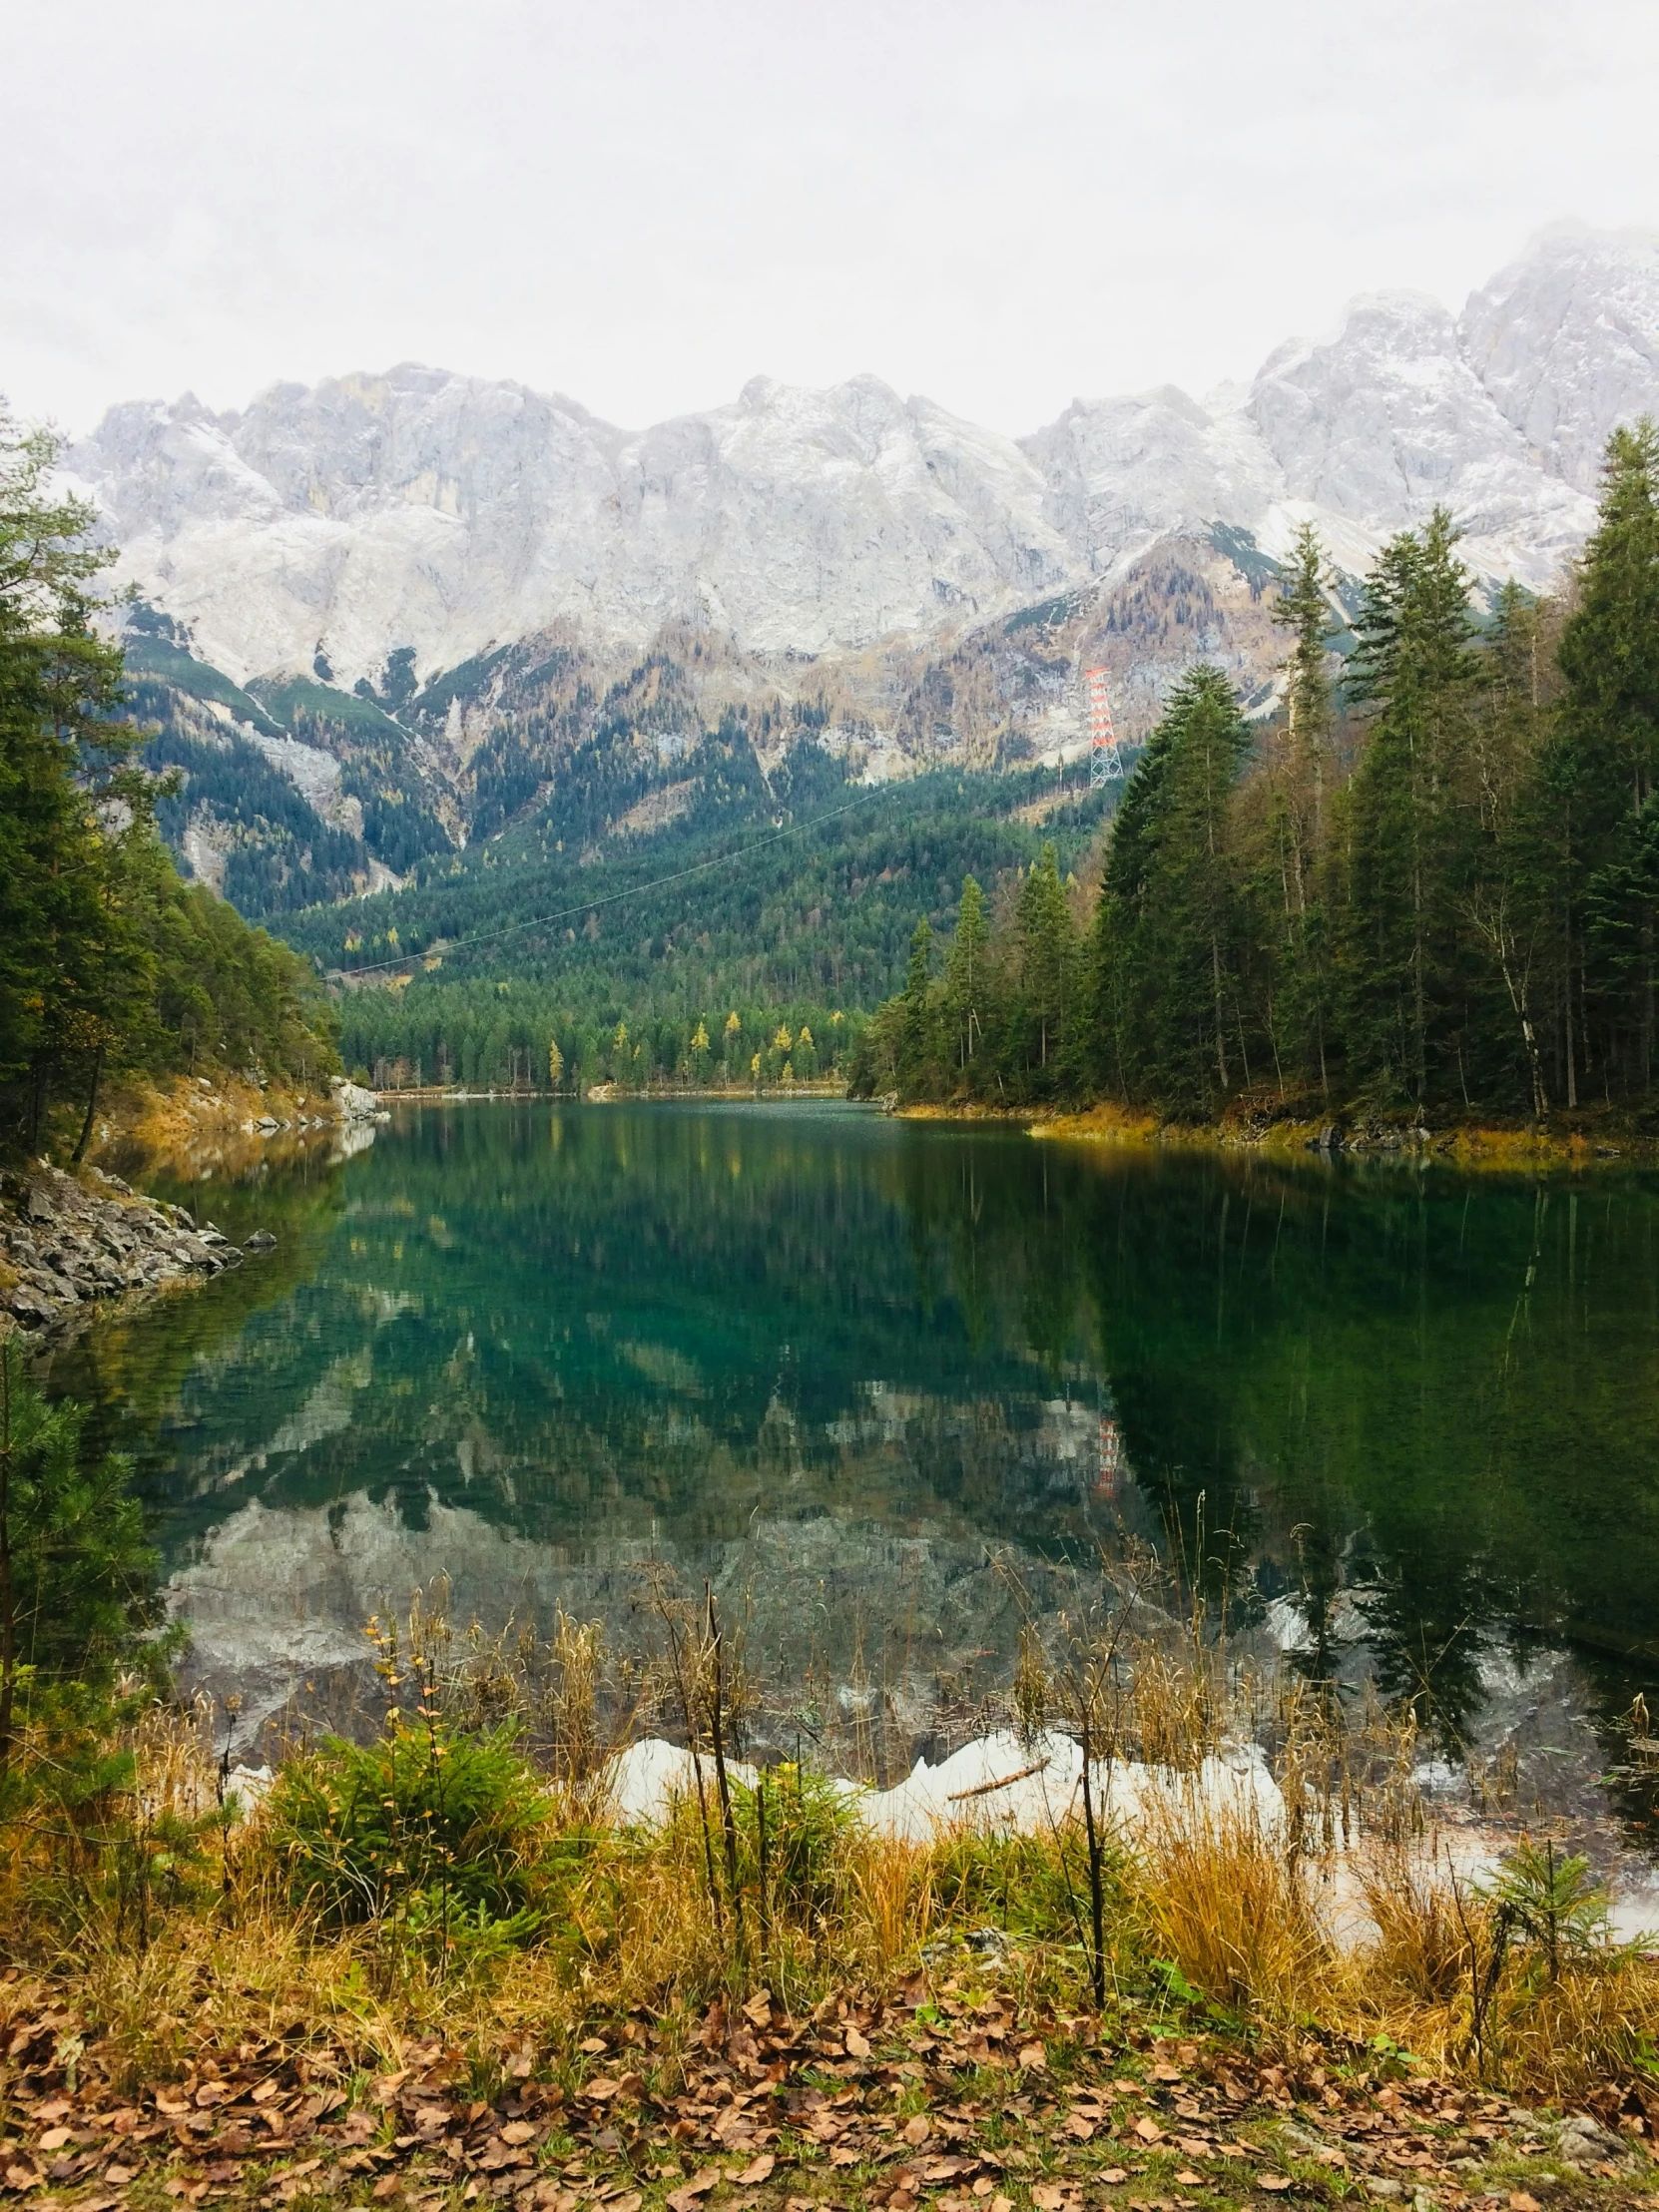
(644, 204)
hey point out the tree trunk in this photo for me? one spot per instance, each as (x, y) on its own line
(79, 1154)
(8, 1587)
(1221, 1041)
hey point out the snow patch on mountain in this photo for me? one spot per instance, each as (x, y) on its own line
(448, 514)
(1566, 343)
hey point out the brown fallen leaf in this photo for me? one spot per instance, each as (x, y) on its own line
(1520, 2201)
(857, 2046)
(388, 2186)
(757, 2171)
(1272, 2181)
(757, 2012)
(1033, 2057)
(685, 2198)
(629, 2201)
(1113, 2176)
(1077, 2125)
(518, 2131)
(1147, 2130)
(1047, 2198)
(916, 2129)
(1187, 2179)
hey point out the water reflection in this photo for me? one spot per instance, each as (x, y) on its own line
(1402, 1421)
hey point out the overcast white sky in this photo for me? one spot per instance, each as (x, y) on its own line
(644, 204)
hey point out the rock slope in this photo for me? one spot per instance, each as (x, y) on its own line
(66, 1243)
(431, 515)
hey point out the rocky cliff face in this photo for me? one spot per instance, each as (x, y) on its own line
(380, 617)
(444, 514)
(1565, 341)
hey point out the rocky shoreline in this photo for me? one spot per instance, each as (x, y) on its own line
(65, 1242)
(69, 1241)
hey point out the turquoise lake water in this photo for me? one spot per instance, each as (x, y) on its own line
(841, 1364)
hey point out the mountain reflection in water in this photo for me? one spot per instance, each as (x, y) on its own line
(1409, 1419)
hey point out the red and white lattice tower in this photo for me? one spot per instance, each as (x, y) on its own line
(1105, 755)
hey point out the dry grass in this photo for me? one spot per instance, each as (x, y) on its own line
(1231, 1908)
(1203, 1883)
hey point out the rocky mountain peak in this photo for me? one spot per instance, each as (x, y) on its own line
(1566, 343)
(435, 514)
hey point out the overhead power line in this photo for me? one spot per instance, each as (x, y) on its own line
(611, 898)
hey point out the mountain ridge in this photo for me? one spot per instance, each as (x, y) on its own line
(410, 599)
(424, 510)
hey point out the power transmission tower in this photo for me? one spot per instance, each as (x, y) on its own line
(1106, 764)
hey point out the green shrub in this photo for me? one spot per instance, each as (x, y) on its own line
(807, 1820)
(1030, 1886)
(447, 1833)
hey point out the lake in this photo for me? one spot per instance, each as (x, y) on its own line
(871, 1377)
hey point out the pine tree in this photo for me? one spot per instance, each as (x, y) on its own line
(1046, 950)
(1414, 666)
(1295, 1013)
(1167, 1008)
(917, 1038)
(964, 975)
(1601, 772)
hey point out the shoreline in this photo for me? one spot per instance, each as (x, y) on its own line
(605, 1094)
(83, 1241)
(1463, 1146)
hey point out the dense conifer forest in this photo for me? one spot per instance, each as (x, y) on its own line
(1430, 887)
(776, 904)
(109, 964)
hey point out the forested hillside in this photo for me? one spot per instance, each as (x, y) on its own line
(1432, 893)
(109, 965)
(769, 905)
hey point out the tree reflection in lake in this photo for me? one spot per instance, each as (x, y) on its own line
(1403, 1420)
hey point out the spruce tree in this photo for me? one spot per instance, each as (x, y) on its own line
(964, 975)
(1610, 647)
(916, 1035)
(1507, 899)
(1297, 1013)
(1046, 948)
(1166, 947)
(77, 1575)
(72, 969)
(1600, 773)
(1414, 666)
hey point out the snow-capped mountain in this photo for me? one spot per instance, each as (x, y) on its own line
(446, 514)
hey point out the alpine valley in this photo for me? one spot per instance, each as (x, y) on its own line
(409, 625)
